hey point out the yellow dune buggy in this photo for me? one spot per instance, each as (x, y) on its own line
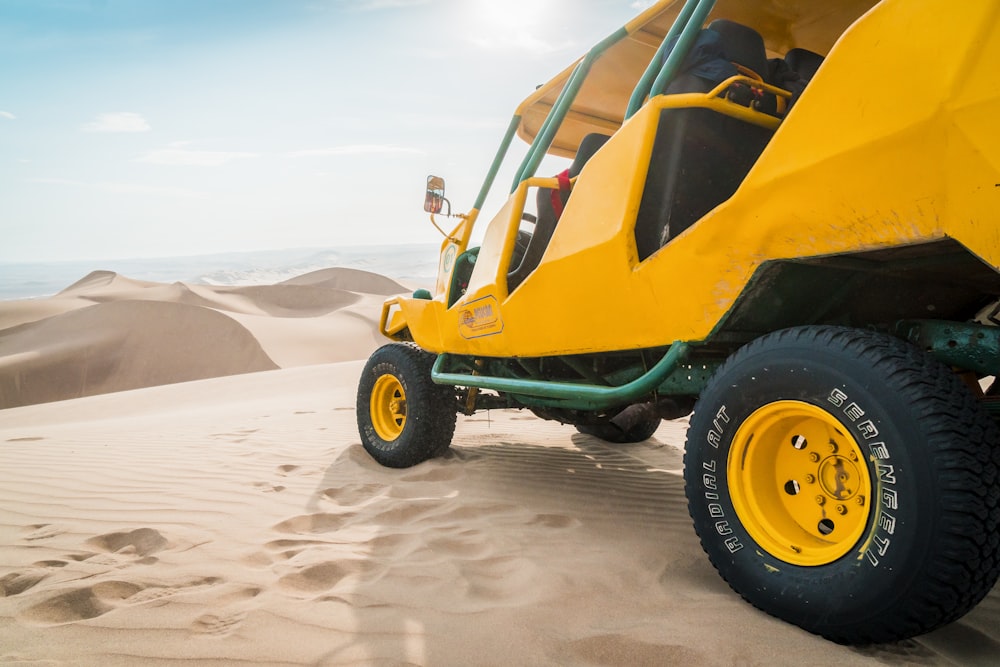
(782, 213)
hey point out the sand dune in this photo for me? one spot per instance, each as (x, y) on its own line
(121, 345)
(237, 520)
(349, 279)
(107, 333)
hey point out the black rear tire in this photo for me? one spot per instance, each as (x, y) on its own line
(609, 432)
(927, 522)
(403, 417)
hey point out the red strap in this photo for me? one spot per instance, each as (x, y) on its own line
(562, 193)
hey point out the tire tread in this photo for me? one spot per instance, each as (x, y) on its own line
(962, 443)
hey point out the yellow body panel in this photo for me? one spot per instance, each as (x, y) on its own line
(893, 143)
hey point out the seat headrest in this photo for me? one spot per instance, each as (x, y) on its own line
(589, 145)
(804, 62)
(742, 45)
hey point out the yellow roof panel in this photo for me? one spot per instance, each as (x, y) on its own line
(601, 102)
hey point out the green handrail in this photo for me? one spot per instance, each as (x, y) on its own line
(680, 51)
(508, 137)
(646, 81)
(563, 103)
(576, 395)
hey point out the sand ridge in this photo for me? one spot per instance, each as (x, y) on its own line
(237, 520)
(107, 333)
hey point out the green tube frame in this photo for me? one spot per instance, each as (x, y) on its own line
(645, 83)
(579, 396)
(563, 103)
(687, 37)
(498, 159)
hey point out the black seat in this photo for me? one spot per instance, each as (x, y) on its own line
(547, 218)
(700, 157)
(803, 62)
(793, 72)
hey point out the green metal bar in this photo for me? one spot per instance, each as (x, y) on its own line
(585, 371)
(563, 103)
(508, 137)
(577, 395)
(547, 123)
(974, 347)
(688, 34)
(642, 88)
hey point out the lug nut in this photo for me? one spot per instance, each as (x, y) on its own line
(820, 500)
(810, 479)
(860, 500)
(814, 457)
(833, 447)
(841, 509)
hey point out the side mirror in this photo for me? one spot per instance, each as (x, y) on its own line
(434, 199)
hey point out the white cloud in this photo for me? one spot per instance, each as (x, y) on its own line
(521, 26)
(520, 41)
(8, 115)
(375, 5)
(155, 190)
(369, 5)
(177, 155)
(121, 121)
(358, 149)
(124, 188)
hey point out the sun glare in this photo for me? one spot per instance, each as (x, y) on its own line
(527, 25)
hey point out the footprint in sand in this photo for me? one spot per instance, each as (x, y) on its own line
(288, 549)
(218, 625)
(311, 523)
(266, 487)
(282, 545)
(81, 604)
(354, 494)
(16, 583)
(159, 592)
(290, 469)
(42, 531)
(50, 563)
(141, 542)
(322, 576)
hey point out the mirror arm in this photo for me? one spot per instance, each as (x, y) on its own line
(444, 233)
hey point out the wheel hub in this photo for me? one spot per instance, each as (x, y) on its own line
(838, 477)
(388, 407)
(798, 483)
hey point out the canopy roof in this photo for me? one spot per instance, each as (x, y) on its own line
(602, 100)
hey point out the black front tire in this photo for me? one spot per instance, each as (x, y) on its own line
(921, 472)
(403, 417)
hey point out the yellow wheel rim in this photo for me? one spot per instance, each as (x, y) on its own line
(388, 407)
(799, 483)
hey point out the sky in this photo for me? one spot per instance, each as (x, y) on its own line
(157, 128)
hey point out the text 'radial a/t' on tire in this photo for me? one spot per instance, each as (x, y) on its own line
(844, 481)
(403, 417)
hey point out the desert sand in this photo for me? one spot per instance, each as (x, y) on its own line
(181, 479)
